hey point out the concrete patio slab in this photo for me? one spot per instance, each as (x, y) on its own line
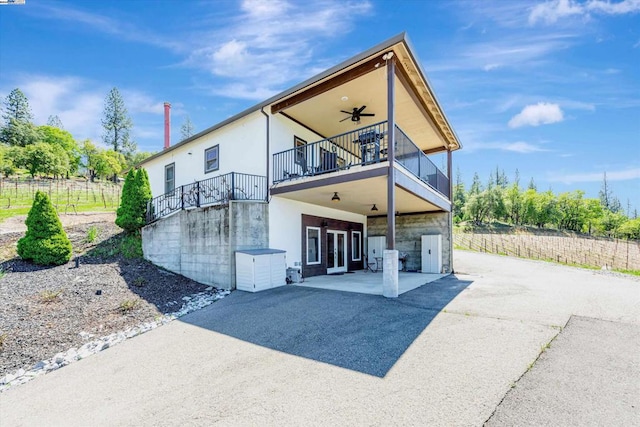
(368, 282)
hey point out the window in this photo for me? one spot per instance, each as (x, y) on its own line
(170, 178)
(301, 155)
(211, 159)
(313, 245)
(356, 245)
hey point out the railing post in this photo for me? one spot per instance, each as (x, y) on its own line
(182, 197)
(233, 186)
(197, 194)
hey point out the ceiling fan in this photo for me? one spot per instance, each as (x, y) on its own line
(356, 114)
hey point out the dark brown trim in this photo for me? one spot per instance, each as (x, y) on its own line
(327, 85)
(303, 125)
(408, 214)
(435, 150)
(355, 176)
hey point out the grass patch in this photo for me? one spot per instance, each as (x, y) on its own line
(2, 273)
(48, 296)
(123, 244)
(128, 305)
(139, 282)
(632, 272)
(92, 234)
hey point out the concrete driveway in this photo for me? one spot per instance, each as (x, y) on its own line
(447, 353)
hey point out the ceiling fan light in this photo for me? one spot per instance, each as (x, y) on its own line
(335, 197)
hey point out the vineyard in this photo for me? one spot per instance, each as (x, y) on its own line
(67, 196)
(561, 247)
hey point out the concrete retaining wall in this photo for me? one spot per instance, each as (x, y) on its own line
(201, 243)
(409, 228)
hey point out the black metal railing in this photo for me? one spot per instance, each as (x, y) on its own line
(359, 147)
(415, 161)
(212, 191)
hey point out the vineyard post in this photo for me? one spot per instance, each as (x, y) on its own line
(104, 201)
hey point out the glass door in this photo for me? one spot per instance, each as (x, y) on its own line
(336, 251)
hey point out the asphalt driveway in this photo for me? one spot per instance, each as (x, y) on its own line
(444, 354)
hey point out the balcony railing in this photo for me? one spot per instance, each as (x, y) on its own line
(415, 161)
(218, 190)
(359, 147)
(362, 146)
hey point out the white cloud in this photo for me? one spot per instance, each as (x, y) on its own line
(541, 113)
(550, 12)
(490, 67)
(620, 175)
(522, 147)
(270, 43)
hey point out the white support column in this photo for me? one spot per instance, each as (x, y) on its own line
(390, 273)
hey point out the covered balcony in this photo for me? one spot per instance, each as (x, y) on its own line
(351, 150)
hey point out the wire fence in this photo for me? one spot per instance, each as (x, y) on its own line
(587, 251)
(65, 195)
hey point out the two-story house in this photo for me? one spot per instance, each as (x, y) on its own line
(312, 171)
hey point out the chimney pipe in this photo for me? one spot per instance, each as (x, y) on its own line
(167, 125)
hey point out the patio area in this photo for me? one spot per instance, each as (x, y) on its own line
(368, 283)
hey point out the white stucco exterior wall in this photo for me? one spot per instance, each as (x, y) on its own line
(242, 149)
(285, 224)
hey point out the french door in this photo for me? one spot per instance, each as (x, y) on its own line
(336, 251)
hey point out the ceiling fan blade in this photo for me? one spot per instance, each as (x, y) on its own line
(361, 109)
(367, 114)
(346, 112)
(346, 118)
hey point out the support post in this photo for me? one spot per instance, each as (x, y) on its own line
(391, 145)
(450, 173)
(390, 258)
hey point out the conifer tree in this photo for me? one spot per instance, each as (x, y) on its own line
(45, 241)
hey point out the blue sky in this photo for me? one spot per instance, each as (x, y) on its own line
(551, 88)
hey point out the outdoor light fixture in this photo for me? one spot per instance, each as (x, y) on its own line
(335, 197)
(374, 208)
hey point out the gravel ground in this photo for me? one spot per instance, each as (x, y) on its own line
(44, 309)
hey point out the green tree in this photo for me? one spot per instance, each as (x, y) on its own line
(572, 213)
(117, 124)
(476, 185)
(514, 204)
(45, 241)
(459, 198)
(10, 158)
(19, 133)
(136, 192)
(62, 138)
(477, 207)
(54, 121)
(16, 107)
(630, 229)
(38, 158)
(138, 157)
(187, 130)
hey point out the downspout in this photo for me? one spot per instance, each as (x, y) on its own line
(267, 169)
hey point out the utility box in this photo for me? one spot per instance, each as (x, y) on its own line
(432, 253)
(260, 269)
(375, 249)
(294, 275)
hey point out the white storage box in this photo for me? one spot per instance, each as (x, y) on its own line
(260, 269)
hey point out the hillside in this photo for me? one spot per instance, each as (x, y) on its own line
(551, 245)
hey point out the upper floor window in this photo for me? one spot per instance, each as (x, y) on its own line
(212, 159)
(169, 178)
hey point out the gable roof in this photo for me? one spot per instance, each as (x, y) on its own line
(401, 38)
